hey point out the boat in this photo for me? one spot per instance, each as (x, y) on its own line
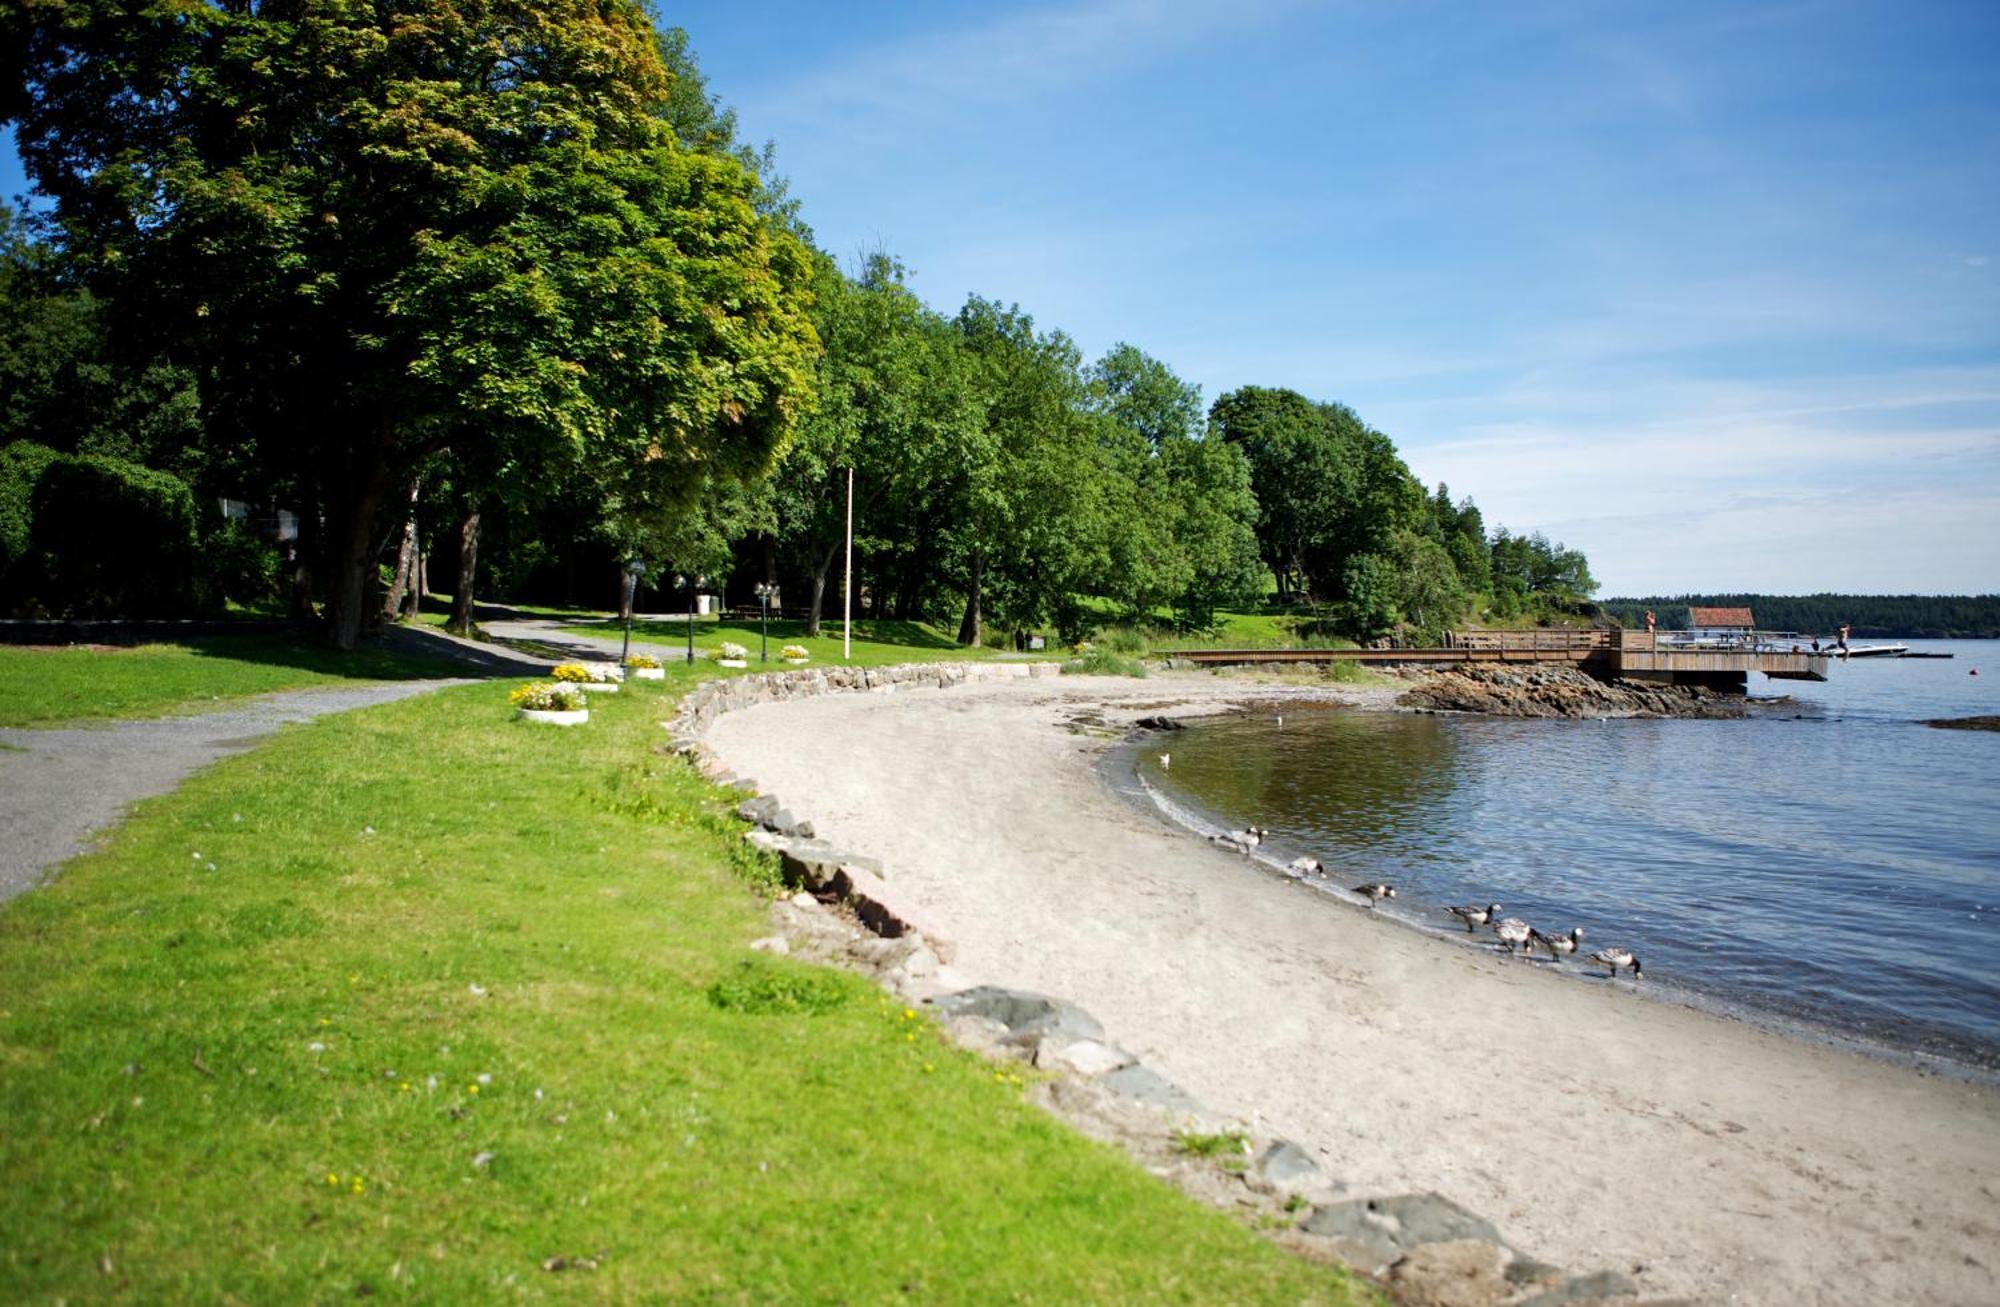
(1873, 651)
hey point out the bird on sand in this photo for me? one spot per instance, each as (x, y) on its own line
(1375, 893)
(1514, 933)
(1614, 960)
(1557, 945)
(1474, 915)
(1307, 867)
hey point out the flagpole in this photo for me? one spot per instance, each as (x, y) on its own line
(847, 582)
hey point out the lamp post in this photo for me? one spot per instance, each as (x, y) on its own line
(693, 584)
(765, 593)
(633, 571)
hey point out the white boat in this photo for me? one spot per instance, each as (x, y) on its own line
(1872, 651)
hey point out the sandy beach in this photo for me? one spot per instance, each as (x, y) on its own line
(1702, 1156)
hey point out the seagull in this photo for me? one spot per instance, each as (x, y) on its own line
(1166, 761)
(1557, 945)
(1514, 933)
(1307, 867)
(1375, 893)
(1474, 915)
(1614, 959)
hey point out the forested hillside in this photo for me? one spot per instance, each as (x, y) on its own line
(1908, 617)
(506, 306)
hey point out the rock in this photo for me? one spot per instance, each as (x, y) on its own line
(1456, 1273)
(1161, 724)
(776, 944)
(1139, 1083)
(1028, 1017)
(783, 822)
(1083, 1057)
(1287, 1168)
(1560, 692)
(1582, 1289)
(1375, 1232)
(982, 1035)
(757, 811)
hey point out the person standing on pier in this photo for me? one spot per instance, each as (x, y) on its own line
(1652, 637)
(1845, 627)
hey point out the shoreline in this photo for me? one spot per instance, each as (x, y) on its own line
(1707, 1156)
(1118, 770)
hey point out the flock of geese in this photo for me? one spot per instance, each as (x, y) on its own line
(1520, 938)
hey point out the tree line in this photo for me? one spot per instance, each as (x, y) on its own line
(502, 285)
(1902, 617)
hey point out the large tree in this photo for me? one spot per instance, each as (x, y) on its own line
(380, 231)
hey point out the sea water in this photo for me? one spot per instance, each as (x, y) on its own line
(1828, 864)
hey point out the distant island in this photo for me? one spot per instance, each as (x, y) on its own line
(1905, 617)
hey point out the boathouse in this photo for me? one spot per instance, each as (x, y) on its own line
(1723, 624)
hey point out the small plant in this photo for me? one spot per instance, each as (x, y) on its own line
(1122, 640)
(574, 673)
(1102, 662)
(730, 649)
(797, 651)
(778, 989)
(541, 696)
(642, 661)
(1223, 1143)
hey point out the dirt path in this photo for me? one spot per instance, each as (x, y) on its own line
(1595, 1128)
(58, 788)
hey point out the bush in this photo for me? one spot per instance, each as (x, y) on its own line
(1122, 640)
(1102, 662)
(109, 538)
(21, 467)
(242, 566)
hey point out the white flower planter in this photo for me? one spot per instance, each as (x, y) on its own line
(596, 687)
(554, 716)
(798, 662)
(732, 662)
(650, 673)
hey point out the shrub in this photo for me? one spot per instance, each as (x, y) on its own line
(1102, 662)
(730, 649)
(114, 539)
(21, 467)
(1122, 640)
(241, 566)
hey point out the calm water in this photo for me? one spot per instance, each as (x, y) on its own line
(1828, 862)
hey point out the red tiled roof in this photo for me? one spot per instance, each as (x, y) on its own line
(1702, 619)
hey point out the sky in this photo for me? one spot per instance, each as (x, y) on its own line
(1708, 291)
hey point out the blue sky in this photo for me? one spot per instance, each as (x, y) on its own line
(1710, 291)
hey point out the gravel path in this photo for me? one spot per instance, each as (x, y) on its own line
(65, 786)
(587, 648)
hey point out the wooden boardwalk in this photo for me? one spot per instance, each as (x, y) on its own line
(1663, 656)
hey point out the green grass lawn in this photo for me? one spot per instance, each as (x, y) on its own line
(55, 687)
(876, 644)
(410, 1001)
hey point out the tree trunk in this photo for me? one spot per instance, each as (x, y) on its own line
(819, 587)
(406, 561)
(968, 630)
(627, 594)
(413, 596)
(468, 565)
(352, 548)
(422, 587)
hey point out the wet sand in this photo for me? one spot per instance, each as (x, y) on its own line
(1700, 1155)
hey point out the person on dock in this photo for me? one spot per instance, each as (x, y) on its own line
(1845, 627)
(1652, 637)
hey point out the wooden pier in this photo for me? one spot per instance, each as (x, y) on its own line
(1667, 657)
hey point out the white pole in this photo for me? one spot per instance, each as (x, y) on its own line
(847, 583)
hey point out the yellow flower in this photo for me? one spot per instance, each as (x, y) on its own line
(332, 1179)
(909, 1015)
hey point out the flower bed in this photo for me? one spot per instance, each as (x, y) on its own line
(731, 654)
(645, 667)
(555, 704)
(795, 654)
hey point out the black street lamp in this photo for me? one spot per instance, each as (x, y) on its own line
(693, 584)
(633, 571)
(765, 593)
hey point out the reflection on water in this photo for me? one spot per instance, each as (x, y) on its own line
(1841, 867)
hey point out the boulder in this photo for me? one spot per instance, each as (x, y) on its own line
(1578, 1290)
(1456, 1273)
(1286, 1168)
(1029, 1018)
(759, 810)
(1139, 1083)
(1374, 1233)
(1083, 1057)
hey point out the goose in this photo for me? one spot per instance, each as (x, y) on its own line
(1614, 959)
(1557, 945)
(1375, 893)
(1307, 867)
(1474, 915)
(1514, 933)
(1243, 840)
